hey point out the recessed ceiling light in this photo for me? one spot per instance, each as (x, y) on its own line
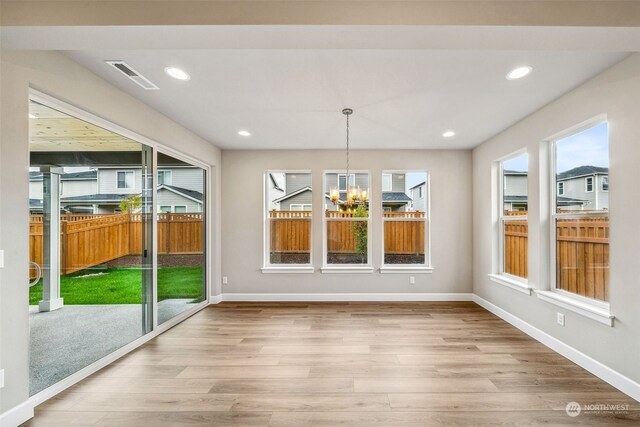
(177, 73)
(32, 116)
(244, 133)
(519, 72)
(449, 134)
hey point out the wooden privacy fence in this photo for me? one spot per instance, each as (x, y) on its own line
(582, 254)
(290, 232)
(88, 240)
(516, 248)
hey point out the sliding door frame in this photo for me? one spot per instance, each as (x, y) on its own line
(52, 102)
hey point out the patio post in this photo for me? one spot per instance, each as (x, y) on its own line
(51, 239)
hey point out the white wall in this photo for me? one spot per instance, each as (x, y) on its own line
(58, 76)
(243, 200)
(615, 92)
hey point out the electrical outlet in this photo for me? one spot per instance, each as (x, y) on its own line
(560, 319)
(224, 280)
(1, 378)
(412, 280)
(1, 258)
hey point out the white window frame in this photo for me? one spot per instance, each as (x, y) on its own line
(390, 187)
(165, 172)
(301, 207)
(602, 181)
(421, 191)
(560, 188)
(426, 267)
(165, 206)
(351, 184)
(133, 180)
(500, 276)
(267, 266)
(346, 268)
(186, 208)
(586, 184)
(587, 307)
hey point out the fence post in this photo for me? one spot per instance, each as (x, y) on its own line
(64, 244)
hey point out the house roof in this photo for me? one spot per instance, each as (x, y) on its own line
(72, 176)
(389, 197)
(293, 193)
(96, 198)
(582, 171)
(191, 194)
(35, 204)
(418, 185)
(561, 200)
(511, 172)
(275, 183)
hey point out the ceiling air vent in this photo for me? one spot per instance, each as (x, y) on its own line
(140, 80)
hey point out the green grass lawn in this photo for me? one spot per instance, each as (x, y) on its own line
(123, 286)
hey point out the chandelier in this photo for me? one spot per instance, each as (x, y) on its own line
(353, 194)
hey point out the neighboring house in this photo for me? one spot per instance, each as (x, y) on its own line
(418, 194)
(588, 184)
(100, 191)
(394, 197)
(275, 185)
(515, 191)
(71, 184)
(581, 188)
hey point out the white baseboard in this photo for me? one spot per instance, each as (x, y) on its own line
(616, 379)
(17, 415)
(348, 297)
(215, 299)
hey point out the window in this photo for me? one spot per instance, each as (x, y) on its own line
(580, 242)
(588, 184)
(560, 188)
(346, 222)
(300, 207)
(420, 192)
(288, 219)
(342, 181)
(165, 177)
(165, 209)
(405, 223)
(387, 182)
(125, 179)
(180, 209)
(514, 225)
(605, 183)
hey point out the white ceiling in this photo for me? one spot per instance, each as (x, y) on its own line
(288, 83)
(405, 99)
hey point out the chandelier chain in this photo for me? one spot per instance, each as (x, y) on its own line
(347, 177)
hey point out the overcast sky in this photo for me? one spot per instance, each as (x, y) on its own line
(587, 148)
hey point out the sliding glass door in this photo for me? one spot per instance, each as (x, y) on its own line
(180, 232)
(91, 244)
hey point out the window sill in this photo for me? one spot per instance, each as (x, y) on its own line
(598, 314)
(405, 270)
(287, 270)
(347, 270)
(515, 284)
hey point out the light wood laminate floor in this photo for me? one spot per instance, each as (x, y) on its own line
(347, 364)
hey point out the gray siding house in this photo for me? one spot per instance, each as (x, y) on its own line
(580, 188)
(418, 194)
(100, 191)
(588, 184)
